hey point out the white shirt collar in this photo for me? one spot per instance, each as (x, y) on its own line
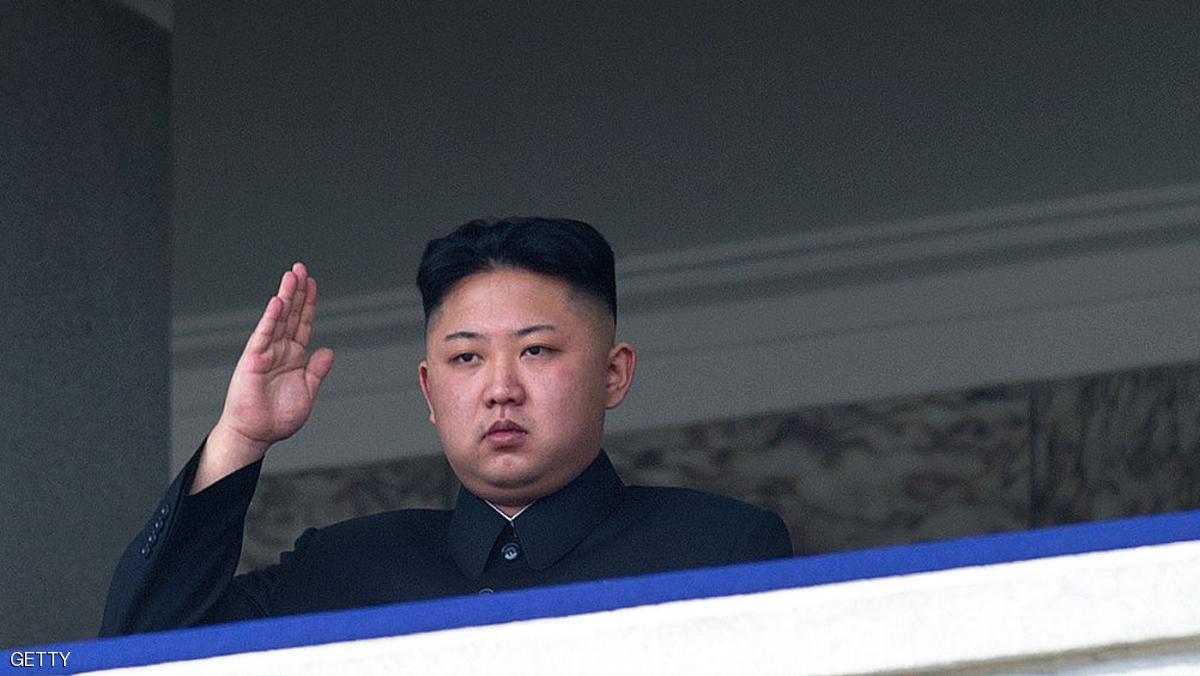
(501, 512)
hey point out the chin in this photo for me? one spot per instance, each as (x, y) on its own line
(507, 479)
(515, 488)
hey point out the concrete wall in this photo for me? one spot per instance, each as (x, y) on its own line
(871, 200)
(1037, 291)
(84, 304)
(347, 134)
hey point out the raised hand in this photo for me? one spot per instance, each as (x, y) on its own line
(274, 385)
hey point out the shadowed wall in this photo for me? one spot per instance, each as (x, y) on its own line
(84, 304)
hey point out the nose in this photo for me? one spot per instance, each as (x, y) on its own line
(504, 384)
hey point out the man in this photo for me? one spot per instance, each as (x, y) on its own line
(521, 365)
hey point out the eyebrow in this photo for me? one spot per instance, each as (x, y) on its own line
(519, 333)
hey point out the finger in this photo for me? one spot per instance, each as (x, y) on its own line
(304, 331)
(319, 365)
(296, 308)
(287, 289)
(260, 339)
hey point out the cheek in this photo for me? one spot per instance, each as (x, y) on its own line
(448, 396)
(572, 386)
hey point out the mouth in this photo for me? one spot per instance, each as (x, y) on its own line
(505, 432)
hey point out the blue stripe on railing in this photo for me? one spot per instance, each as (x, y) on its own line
(586, 597)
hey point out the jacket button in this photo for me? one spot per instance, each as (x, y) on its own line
(146, 551)
(158, 524)
(151, 538)
(164, 510)
(510, 551)
(486, 590)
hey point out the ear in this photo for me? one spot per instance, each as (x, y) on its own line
(423, 376)
(622, 360)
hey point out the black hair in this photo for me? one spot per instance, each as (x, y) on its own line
(570, 250)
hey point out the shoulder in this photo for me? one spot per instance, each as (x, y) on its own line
(686, 503)
(742, 532)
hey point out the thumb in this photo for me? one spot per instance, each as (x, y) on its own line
(319, 365)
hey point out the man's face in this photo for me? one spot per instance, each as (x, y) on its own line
(518, 374)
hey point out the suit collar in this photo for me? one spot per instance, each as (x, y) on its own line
(474, 527)
(548, 529)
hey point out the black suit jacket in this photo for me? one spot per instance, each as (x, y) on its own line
(179, 571)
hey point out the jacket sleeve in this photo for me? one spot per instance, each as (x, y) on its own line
(179, 569)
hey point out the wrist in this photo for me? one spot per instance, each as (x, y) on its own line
(225, 451)
(229, 443)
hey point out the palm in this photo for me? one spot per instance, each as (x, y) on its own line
(273, 387)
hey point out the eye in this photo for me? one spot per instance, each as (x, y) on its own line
(465, 358)
(536, 350)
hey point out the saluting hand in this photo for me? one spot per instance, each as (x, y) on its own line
(274, 385)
